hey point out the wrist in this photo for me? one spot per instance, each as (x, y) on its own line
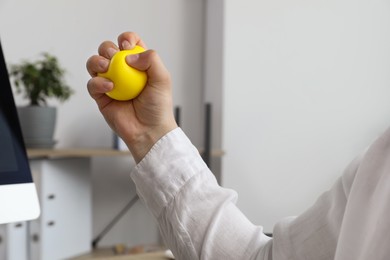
(140, 146)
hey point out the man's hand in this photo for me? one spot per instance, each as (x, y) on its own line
(142, 121)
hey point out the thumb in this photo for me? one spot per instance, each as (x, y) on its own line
(150, 62)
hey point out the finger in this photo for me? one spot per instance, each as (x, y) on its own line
(107, 49)
(97, 64)
(150, 62)
(98, 86)
(128, 40)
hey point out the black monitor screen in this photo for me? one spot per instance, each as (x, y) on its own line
(7, 151)
(14, 166)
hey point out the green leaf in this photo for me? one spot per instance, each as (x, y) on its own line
(40, 80)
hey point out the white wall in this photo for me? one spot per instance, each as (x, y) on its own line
(72, 30)
(307, 87)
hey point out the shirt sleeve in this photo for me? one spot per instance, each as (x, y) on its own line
(198, 219)
(315, 233)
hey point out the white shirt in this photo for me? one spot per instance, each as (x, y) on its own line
(199, 219)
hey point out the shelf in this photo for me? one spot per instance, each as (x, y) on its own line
(74, 153)
(108, 254)
(85, 153)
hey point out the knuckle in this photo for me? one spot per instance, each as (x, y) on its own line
(93, 65)
(90, 61)
(89, 89)
(167, 77)
(152, 54)
(90, 84)
(104, 47)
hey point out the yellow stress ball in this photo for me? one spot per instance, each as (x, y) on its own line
(128, 82)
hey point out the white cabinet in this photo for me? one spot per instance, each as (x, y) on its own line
(15, 241)
(64, 228)
(3, 245)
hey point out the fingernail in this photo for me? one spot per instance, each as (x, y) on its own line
(126, 45)
(132, 58)
(108, 86)
(103, 64)
(111, 51)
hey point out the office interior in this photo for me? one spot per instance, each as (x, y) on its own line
(298, 89)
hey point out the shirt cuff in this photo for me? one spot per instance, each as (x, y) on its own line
(167, 167)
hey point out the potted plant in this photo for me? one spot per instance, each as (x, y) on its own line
(38, 81)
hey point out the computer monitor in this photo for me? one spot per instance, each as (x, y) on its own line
(18, 196)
